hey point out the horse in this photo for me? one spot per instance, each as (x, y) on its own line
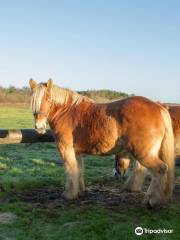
(123, 162)
(82, 126)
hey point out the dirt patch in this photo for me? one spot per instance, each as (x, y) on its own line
(107, 196)
(97, 195)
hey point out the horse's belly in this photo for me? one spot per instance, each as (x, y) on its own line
(105, 147)
(117, 147)
(101, 137)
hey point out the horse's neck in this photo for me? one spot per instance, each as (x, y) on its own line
(71, 110)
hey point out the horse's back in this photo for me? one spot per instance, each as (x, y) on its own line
(135, 109)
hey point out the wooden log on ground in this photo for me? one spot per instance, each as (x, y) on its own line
(24, 136)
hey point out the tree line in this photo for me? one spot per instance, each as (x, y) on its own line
(22, 95)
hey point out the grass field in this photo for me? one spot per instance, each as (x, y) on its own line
(31, 183)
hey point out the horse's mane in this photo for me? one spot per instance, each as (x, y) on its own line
(62, 95)
(58, 96)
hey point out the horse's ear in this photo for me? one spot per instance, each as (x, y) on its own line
(49, 84)
(32, 84)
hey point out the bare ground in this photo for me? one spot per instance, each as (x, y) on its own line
(107, 196)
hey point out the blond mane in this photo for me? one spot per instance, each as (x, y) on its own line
(58, 96)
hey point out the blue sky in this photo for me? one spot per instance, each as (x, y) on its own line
(130, 46)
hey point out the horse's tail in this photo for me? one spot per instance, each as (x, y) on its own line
(167, 151)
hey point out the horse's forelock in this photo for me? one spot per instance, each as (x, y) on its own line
(37, 97)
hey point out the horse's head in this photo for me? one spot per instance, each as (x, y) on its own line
(121, 166)
(41, 103)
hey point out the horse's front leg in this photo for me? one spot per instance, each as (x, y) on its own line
(72, 173)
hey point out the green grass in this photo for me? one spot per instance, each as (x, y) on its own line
(32, 168)
(17, 117)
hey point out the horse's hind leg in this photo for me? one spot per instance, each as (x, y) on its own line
(156, 191)
(136, 179)
(81, 174)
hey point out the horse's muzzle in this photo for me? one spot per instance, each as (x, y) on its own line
(40, 127)
(41, 130)
(118, 175)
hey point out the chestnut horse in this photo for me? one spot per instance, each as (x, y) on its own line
(82, 126)
(122, 160)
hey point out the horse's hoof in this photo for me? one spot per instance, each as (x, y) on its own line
(153, 202)
(68, 196)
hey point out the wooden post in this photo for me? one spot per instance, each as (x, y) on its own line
(24, 136)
